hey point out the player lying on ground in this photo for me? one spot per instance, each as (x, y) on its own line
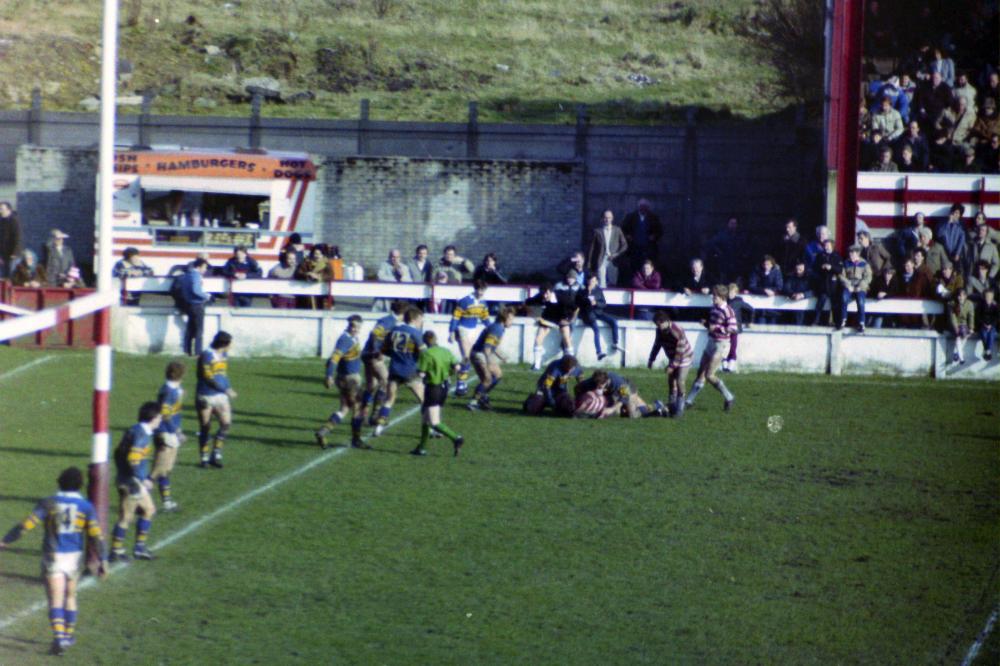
(469, 312)
(168, 437)
(68, 519)
(403, 346)
(134, 485)
(672, 339)
(558, 309)
(621, 397)
(721, 324)
(212, 398)
(375, 363)
(552, 390)
(436, 363)
(343, 370)
(486, 358)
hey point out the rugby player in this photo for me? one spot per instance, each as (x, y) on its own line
(68, 519)
(132, 466)
(212, 398)
(168, 437)
(376, 372)
(345, 364)
(552, 389)
(403, 346)
(486, 358)
(672, 339)
(436, 363)
(469, 312)
(558, 312)
(621, 395)
(721, 324)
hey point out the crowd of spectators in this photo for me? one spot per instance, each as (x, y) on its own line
(932, 90)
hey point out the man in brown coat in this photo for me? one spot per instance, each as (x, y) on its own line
(607, 247)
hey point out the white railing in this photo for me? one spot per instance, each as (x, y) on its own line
(418, 291)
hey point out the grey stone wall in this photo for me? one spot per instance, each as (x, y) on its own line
(527, 212)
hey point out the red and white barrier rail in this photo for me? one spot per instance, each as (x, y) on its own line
(416, 291)
(80, 307)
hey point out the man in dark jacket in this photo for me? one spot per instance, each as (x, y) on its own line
(642, 231)
(590, 302)
(793, 246)
(827, 267)
(191, 299)
(10, 238)
(241, 266)
(766, 281)
(798, 287)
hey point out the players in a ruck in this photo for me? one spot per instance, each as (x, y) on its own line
(552, 390)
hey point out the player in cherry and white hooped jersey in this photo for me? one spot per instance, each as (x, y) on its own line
(672, 339)
(721, 325)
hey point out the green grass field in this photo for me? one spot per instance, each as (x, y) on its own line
(865, 531)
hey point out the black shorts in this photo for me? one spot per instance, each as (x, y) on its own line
(435, 394)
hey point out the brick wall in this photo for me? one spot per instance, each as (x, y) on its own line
(528, 212)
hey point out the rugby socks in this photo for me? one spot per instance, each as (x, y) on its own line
(723, 390)
(463, 371)
(337, 418)
(366, 398)
(383, 414)
(356, 426)
(695, 390)
(203, 444)
(380, 396)
(70, 616)
(645, 411)
(142, 532)
(446, 431)
(57, 620)
(537, 354)
(493, 384)
(164, 483)
(118, 539)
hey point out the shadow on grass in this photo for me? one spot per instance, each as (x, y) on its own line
(44, 452)
(15, 644)
(24, 578)
(284, 443)
(18, 498)
(296, 378)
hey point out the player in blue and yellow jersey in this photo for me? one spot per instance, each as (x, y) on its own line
(343, 370)
(68, 520)
(469, 312)
(552, 390)
(132, 466)
(622, 395)
(213, 398)
(486, 357)
(403, 346)
(376, 370)
(168, 437)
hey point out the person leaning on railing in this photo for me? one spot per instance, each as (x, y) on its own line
(315, 268)
(28, 272)
(283, 270)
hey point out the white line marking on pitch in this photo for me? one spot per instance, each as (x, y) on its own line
(27, 366)
(117, 570)
(977, 644)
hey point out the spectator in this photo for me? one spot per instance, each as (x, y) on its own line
(642, 230)
(131, 265)
(956, 123)
(855, 279)
(647, 277)
(935, 255)
(28, 272)
(990, 154)
(297, 249)
(992, 89)
(979, 282)
(873, 252)
(766, 281)
(942, 152)
(904, 241)
(191, 299)
(987, 320)
(696, 282)
(727, 251)
(827, 267)
(887, 121)
(241, 266)
(59, 260)
(913, 283)
(793, 246)
(283, 270)
(590, 303)
(992, 234)
(947, 283)
(986, 124)
(931, 100)
(816, 247)
(607, 248)
(885, 285)
(489, 271)
(892, 90)
(455, 267)
(393, 269)
(557, 312)
(421, 268)
(884, 164)
(980, 249)
(576, 262)
(943, 66)
(950, 234)
(965, 90)
(315, 268)
(969, 163)
(744, 312)
(10, 238)
(796, 287)
(918, 144)
(871, 151)
(961, 321)
(906, 163)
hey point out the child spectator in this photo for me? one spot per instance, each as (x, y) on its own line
(766, 281)
(961, 320)
(987, 320)
(855, 280)
(885, 285)
(979, 282)
(740, 309)
(647, 277)
(591, 303)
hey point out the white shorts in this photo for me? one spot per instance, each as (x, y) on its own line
(168, 439)
(217, 401)
(66, 564)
